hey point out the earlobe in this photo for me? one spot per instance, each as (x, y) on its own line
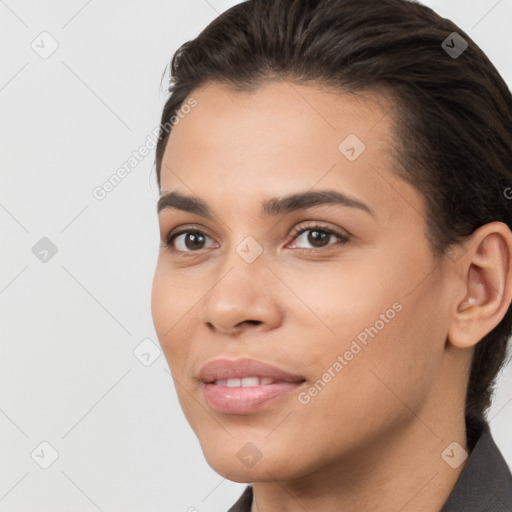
(487, 285)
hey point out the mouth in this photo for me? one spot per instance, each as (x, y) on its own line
(245, 382)
(245, 385)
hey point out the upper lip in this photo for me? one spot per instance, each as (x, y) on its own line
(239, 368)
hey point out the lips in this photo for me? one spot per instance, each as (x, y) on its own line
(224, 369)
(244, 386)
(245, 382)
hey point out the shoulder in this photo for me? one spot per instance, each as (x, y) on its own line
(485, 482)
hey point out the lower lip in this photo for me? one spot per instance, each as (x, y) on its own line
(241, 400)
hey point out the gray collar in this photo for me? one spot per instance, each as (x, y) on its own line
(485, 483)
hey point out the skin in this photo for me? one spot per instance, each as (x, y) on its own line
(372, 438)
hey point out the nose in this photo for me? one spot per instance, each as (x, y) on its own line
(244, 297)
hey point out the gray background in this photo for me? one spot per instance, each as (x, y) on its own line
(68, 374)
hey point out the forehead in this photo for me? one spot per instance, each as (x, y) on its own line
(284, 112)
(286, 137)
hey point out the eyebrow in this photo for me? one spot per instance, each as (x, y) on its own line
(270, 207)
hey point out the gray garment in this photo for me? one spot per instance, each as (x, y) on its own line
(485, 484)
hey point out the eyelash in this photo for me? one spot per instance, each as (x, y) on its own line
(343, 238)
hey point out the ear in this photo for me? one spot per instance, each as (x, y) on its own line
(485, 285)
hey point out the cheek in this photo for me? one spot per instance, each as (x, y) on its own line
(392, 358)
(169, 307)
(336, 304)
(387, 337)
(162, 305)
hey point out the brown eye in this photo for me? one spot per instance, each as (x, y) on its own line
(194, 240)
(318, 237)
(188, 241)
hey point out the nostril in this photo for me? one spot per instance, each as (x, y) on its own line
(252, 322)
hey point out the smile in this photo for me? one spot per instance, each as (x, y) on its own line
(245, 382)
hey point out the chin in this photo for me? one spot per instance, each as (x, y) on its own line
(243, 465)
(239, 476)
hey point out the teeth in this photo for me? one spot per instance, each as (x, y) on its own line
(250, 381)
(245, 382)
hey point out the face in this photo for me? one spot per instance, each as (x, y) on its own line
(338, 290)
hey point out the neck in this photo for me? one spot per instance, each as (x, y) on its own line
(402, 471)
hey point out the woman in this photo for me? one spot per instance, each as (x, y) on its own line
(332, 292)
